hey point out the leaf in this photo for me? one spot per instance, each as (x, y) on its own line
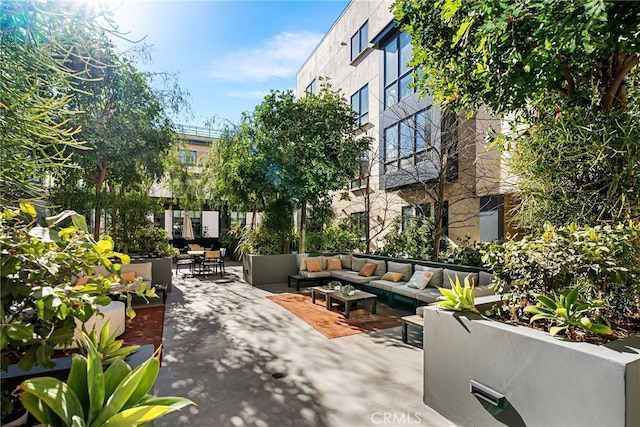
(77, 380)
(555, 330)
(114, 375)
(95, 382)
(142, 414)
(28, 208)
(56, 395)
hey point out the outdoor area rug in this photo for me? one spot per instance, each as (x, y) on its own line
(146, 327)
(332, 324)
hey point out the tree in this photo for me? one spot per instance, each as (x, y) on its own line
(294, 149)
(509, 54)
(567, 70)
(36, 90)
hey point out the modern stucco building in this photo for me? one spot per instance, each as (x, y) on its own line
(416, 146)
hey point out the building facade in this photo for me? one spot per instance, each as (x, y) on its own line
(420, 156)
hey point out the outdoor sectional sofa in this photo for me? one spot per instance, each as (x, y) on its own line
(398, 288)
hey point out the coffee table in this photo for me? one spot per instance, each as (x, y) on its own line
(349, 299)
(321, 290)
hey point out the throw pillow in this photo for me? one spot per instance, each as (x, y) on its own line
(393, 276)
(129, 276)
(313, 266)
(334, 264)
(81, 281)
(420, 279)
(357, 263)
(367, 270)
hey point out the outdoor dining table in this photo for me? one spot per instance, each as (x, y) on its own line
(198, 258)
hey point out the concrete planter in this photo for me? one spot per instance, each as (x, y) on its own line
(544, 381)
(268, 269)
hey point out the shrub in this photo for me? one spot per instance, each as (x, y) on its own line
(39, 302)
(414, 242)
(603, 261)
(468, 253)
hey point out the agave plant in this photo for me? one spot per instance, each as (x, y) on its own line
(109, 348)
(91, 397)
(565, 311)
(458, 298)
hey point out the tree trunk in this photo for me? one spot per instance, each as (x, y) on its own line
(367, 227)
(98, 181)
(303, 226)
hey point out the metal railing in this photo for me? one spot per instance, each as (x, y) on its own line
(198, 131)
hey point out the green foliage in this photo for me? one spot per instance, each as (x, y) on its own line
(38, 263)
(108, 347)
(565, 311)
(151, 241)
(90, 397)
(458, 298)
(335, 238)
(601, 260)
(294, 149)
(582, 168)
(468, 253)
(334, 284)
(414, 242)
(505, 54)
(36, 87)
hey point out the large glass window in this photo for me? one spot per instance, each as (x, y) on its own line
(406, 142)
(398, 76)
(360, 104)
(359, 40)
(178, 223)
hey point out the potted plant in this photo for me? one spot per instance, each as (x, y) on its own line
(334, 285)
(348, 290)
(117, 396)
(497, 369)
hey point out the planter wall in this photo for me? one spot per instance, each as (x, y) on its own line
(268, 269)
(545, 381)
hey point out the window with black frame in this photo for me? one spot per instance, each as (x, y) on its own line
(398, 75)
(360, 104)
(407, 142)
(359, 40)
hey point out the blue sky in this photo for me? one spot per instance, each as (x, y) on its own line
(228, 54)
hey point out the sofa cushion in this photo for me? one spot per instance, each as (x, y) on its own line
(142, 269)
(420, 310)
(420, 279)
(352, 276)
(385, 285)
(484, 278)
(381, 266)
(367, 270)
(400, 267)
(334, 264)
(313, 265)
(483, 291)
(429, 295)
(303, 264)
(450, 276)
(405, 291)
(315, 275)
(357, 263)
(346, 261)
(436, 280)
(392, 276)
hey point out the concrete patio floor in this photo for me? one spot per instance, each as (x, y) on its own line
(246, 361)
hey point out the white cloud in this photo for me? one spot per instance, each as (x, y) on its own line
(277, 57)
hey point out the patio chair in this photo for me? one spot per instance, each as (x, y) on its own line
(184, 260)
(211, 260)
(223, 252)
